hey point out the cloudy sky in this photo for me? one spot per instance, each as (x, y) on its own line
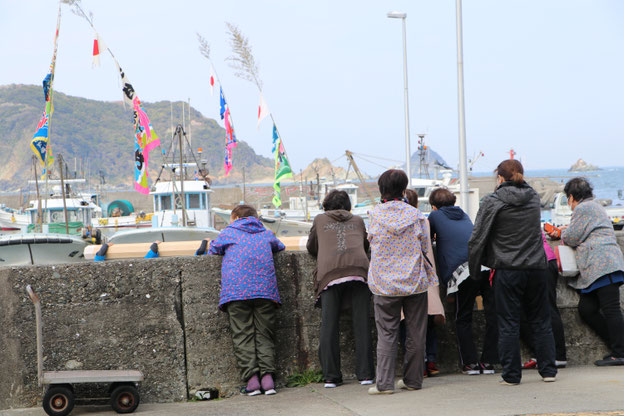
(543, 77)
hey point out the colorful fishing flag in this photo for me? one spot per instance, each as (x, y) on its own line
(282, 167)
(145, 139)
(230, 137)
(213, 79)
(40, 141)
(263, 110)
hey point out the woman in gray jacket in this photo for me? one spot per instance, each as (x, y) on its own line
(601, 266)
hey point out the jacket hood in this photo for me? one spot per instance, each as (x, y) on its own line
(396, 216)
(251, 225)
(453, 213)
(339, 215)
(516, 195)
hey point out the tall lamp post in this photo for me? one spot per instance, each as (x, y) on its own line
(408, 164)
(463, 167)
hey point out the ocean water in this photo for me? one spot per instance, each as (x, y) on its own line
(606, 182)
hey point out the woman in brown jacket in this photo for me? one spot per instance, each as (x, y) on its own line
(338, 241)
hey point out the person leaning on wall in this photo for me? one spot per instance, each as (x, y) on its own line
(601, 265)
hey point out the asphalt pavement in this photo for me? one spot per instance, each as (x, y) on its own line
(578, 390)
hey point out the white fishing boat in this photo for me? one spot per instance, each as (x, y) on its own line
(40, 248)
(181, 206)
(280, 226)
(302, 208)
(13, 219)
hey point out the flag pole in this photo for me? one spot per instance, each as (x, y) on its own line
(52, 68)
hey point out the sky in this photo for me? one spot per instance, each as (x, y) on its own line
(541, 77)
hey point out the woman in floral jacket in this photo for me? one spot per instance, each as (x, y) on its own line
(398, 276)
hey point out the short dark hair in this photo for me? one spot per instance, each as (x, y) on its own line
(337, 200)
(511, 170)
(442, 197)
(412, 197)
(243, 210)
(579, 188)
(392, 183)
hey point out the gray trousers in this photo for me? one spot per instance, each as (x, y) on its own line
(387, 319)
(253, 333)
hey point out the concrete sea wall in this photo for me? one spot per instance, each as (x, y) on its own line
(160, 316)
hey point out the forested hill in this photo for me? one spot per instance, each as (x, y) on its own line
(101, 133)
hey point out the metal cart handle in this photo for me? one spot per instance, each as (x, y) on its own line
(32, 295)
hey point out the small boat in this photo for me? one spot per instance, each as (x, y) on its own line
(164, 234)
(40, 248)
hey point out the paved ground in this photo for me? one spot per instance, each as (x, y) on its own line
(578, 391)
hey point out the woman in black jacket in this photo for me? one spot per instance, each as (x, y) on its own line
(507, 237)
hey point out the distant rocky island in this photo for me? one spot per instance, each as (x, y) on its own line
(582, 166)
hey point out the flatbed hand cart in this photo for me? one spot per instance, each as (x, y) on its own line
(59, 396)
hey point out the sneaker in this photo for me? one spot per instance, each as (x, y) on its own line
(561, 364)
(268, 386)
(610, 360)
(530, 365)
(401, 384)
(471, 369)
(246, 392)
(487, 368)
(502, 382)
(366, 382)
(425, 373)
(432, 369)
(330, 385)
(549, 379)
(373, 390)
(253, 386)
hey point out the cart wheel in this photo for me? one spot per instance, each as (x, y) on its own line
(125, 399)
(58, 401)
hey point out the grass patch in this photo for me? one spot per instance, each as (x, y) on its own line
(304, 378)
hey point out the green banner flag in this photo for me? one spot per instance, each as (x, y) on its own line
(282, 167)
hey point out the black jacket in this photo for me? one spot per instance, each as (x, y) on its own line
(507, 232)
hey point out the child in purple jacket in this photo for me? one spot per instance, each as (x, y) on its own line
(249, 294)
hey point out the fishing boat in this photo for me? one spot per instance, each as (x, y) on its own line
(13, 219)
(280, 226)
(181, 205)
(40, 248)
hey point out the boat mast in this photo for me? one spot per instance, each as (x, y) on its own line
(39, 213)
(60, 162)
(182, 197)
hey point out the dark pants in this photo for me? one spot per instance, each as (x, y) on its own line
(555, 317)
(329, 349)
(464, 303)
(253, 333)
(601, 310)
(431, 350)
(515, 291)
(387, 319)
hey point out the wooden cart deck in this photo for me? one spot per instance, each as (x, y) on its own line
(91, 376)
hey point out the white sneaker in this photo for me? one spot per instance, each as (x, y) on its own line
(270, 392)
(373, 390)
(366, 382)
(401, 384)
(330, 385)
(549, 379)
(560, 364)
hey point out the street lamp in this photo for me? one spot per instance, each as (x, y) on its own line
(403, 16)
